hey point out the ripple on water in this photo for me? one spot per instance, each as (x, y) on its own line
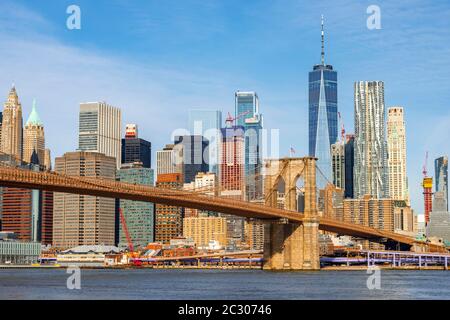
(221, 284)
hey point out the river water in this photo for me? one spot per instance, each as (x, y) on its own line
(180, 284)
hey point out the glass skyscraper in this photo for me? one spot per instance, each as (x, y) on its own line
(194, 157)
(246, 105)
(247, 115)
(100, 129)
(323, 116)
(349, 150)
(135, 149)
(139, 216)
(441, 176)
(208, 122)
(371, 172)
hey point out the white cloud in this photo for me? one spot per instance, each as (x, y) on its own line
(60, 76)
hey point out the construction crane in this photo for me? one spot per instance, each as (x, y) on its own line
(424, 168)
(427, 184)
(342, 127)
(230, 119)
(125, 229)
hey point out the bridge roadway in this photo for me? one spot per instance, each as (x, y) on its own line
(20, 178)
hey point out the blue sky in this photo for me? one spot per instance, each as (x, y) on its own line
(157, 59)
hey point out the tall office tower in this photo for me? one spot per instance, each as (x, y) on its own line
(246, 106)
(396, 143)
(208, 122)
(232, 162)
(16, 212)
(323, 115)
(135, 149)
(247, 115)
(100, 127)
(349, 164)
(338, 163)
(47, 160)
(34, 138)
(168, 219)
(195, 156)
(28, 213)
(439, 224)
(168, 160)
(371, 167)
(46, 222)
(81, 219)
(139, 216)
(232, 183)
(11, 142)
(441, 175)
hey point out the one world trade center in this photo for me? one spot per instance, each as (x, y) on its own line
(323, 116)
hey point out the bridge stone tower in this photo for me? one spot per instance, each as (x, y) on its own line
(292, 246)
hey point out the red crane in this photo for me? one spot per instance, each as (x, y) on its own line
(230, 119)
(125, 229)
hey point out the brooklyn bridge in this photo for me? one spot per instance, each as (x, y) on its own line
(291, 237)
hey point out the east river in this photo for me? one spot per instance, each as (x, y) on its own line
(221, 284)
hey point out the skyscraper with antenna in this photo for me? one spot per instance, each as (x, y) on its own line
(323, 113)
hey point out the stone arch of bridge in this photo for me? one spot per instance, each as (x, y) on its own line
(291, 171)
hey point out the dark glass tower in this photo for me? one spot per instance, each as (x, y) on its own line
(349, 156)
(195, 159)
(323, 115)
(441, 175)
(248, 116)
(135, 149)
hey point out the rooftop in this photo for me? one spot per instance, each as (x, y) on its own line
(93, 249)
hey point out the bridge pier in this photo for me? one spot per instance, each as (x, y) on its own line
(293, 246)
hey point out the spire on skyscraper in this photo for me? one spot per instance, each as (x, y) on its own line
(323, 45)
(12, 96)
(34, 157)
(323, 112)
(34, 118)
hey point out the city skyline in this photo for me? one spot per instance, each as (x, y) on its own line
(401, 88)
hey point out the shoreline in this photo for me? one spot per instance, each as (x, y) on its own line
(327, 268)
